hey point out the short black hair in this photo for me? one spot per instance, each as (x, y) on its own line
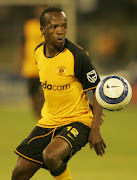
(50, 9)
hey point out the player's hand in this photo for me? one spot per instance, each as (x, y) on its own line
(95, 140)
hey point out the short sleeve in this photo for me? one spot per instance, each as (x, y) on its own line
(36, 53)
(85, 72)
(35, 57)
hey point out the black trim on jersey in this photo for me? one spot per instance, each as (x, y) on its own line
(39, 46)
(82, 66)
(45, 49)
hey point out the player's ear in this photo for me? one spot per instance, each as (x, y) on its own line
(42, 30)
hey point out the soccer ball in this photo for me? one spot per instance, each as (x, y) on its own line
(113, 93)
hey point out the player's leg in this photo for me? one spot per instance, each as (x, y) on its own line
(64, 176)
(24, 169)
(67, 142)
(54, 155)
(30, 153)
(36, 95)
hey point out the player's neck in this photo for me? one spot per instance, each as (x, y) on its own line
(50, 51)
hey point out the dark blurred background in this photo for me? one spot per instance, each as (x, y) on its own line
(107, 29)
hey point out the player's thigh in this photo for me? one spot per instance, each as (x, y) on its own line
(67, 141)
(32, 147)
(57, 149)
(25, 167)
(76, 135)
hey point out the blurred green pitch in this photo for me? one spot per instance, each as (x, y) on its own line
(119, 132)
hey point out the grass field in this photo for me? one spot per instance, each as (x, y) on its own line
(119, 132)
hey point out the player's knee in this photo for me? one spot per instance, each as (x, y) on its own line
(54, 163)
(50, 159)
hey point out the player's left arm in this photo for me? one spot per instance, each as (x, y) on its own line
(95, 139)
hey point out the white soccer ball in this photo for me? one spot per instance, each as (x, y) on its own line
(113, 93)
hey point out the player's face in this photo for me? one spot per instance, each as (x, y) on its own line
(55, 29)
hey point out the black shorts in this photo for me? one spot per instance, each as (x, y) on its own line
(33, 85)
(75, 134)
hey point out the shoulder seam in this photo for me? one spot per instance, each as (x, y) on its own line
(73, 47)
(39, 46)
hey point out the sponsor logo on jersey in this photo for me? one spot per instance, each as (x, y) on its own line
(61, 70)
(92, 76)
(55, 87)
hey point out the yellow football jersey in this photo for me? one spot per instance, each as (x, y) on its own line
(65, 78)
(32, 39)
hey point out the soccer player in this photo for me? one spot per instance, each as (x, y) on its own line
(67, 124)
(28, 69)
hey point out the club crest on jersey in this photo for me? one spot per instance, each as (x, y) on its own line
(61, 70)
(92, 76)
